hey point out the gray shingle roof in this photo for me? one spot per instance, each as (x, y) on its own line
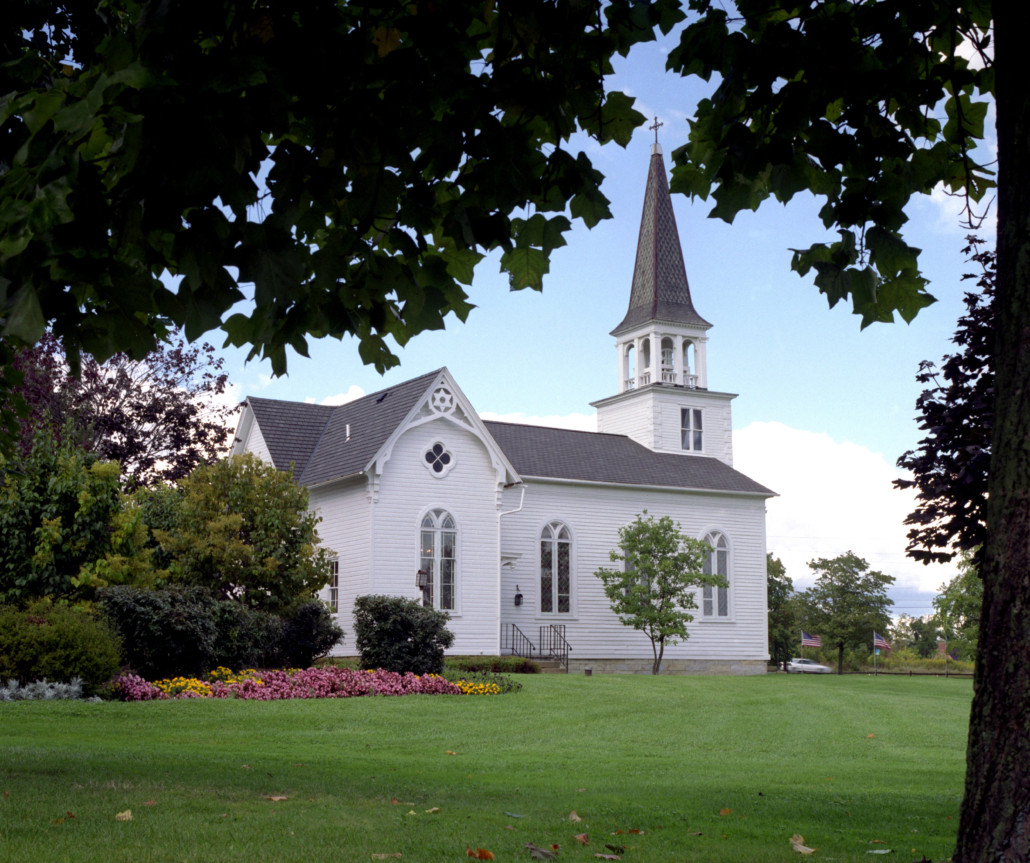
(314, 437)
(594, 457)
(660, 290)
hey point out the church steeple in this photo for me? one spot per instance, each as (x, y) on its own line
(662, 338)
(660, 289)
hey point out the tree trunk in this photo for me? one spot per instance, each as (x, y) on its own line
(658, 655)
(840, 658)
(995, 820)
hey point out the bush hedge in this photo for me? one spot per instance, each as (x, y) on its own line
(185, 630)
(56, 643)
(492, 664)
(398, 634)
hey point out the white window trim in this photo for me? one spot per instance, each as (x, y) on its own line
(731, 604)
(429, 466)
(703, 429)
(458, 557)
(334, 585)
(573, 612)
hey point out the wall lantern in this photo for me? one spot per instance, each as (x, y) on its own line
(422, 578)
(518, 596)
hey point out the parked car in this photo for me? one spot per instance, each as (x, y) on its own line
(808, 666)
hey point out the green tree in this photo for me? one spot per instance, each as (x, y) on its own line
(847, 603)
(64, 527)
(653, 591)
(397, 139)
(783, 627)
(958, 607)
(244, 531)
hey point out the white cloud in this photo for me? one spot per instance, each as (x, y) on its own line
(834, 497)
(576, 422)
(355, 392)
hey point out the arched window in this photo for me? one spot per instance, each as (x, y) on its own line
(439, 559)
(715, 601)
(555, 569)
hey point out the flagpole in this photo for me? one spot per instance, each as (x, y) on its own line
(874, 653)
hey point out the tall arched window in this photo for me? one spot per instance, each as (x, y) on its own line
(715, 601)
(555, 569)
(439, 559)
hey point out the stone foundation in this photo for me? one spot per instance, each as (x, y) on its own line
(670, 666)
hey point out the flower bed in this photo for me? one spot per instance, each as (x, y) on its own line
(328, 682)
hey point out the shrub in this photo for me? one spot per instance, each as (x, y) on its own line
(308, 634)
(164, 632)
(493, 664)
(56, 643)
(43, 690)
(246, 637)
(398, 634)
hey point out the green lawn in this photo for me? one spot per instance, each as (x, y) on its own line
(841, 761)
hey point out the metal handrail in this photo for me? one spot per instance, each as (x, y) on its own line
(553, 643)
(514, 639)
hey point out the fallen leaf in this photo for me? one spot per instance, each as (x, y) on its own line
(395, 802)
(275, 799)
(479, 853)
(634, 832)
(540, 853)
(513, 815)
(872, 735)
(876, 842)
(804, 849)
(451, 753)
(7, 795)
(433, 811)
(608, 856)
(245, 767)
(57, 821)
(725, 811)
(386, 856)
(880, 851)
(124, 816)
(412, 812)
(698, 833)
(618, 849)
(69, 814)
(617, 832)
(225, 815)
(573, 816)
(150, 803)
(555, 847)
(581, 790)
(582, 838)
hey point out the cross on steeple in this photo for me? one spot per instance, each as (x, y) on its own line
(655, 129)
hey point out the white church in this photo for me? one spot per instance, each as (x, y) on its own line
(503, 525)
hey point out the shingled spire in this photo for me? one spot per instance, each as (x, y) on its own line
(660, 291)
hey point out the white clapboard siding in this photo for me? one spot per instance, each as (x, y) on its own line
(718, 423)
(255, 443)
(594, 515)
(633, 417)
(346, 530)
(407, 490)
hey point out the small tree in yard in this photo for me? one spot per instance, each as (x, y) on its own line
(654, 590)
(398, 634)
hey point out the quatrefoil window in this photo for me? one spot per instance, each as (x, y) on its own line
(438, 460)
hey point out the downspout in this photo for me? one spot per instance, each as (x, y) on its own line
(522, 499)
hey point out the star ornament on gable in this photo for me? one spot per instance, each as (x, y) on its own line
(442, 400)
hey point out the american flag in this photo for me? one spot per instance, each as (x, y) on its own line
(878, 641)
(810, 640)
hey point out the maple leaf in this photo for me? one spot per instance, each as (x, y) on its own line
(798, 842)
(582, 838)
(725, 811)
(479, 853)
(573, 816)
(124, 816)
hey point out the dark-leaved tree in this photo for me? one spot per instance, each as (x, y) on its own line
(950, 469)
(159, 417)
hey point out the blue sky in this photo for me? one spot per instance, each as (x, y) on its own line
(824, 409)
